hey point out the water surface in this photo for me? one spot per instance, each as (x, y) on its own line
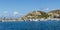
(30, 25)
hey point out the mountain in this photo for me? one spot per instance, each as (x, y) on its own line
(54, 14)
(35, 15)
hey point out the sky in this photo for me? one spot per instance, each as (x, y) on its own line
(22, 7)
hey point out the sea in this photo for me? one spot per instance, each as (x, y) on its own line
(30, 25)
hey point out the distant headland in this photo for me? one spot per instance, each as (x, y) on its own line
(36, 16)
(41, 15)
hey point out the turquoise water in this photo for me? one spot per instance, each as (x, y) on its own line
(30, 25)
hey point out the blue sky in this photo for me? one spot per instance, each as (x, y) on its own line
(12, 7)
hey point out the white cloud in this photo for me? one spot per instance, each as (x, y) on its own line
(53, 9)
(15, 13)
(5, 12)
(46, 8)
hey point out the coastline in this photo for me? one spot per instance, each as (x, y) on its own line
(52, 19)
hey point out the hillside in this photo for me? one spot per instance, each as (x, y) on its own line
(54, 14)
(35, 15)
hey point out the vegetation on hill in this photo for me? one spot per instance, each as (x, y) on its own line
(54, 13)
(35, 15)
(41, 14)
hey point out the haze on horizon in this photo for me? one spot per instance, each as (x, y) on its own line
(21, 7)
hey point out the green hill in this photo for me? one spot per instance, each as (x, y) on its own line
(35, 15)
(54, 14)
(41, 14)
